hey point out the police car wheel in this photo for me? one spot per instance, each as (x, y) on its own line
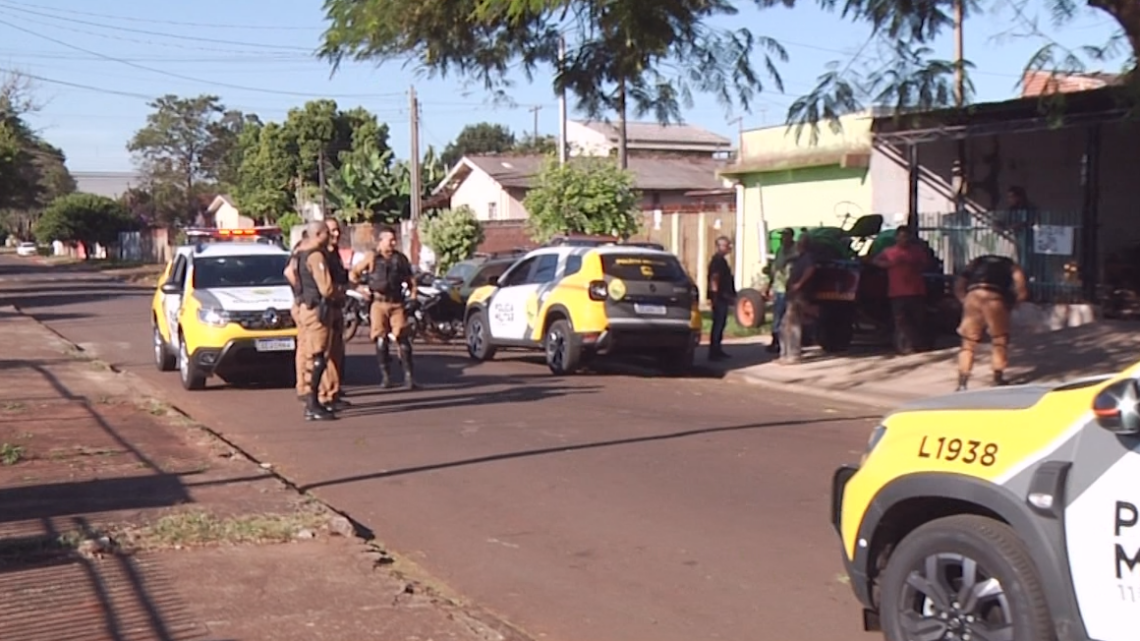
(163, 359)
(192, 377)
(479, 344)
(963, 577)
(563, 348)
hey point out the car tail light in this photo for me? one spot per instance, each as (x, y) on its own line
(598, 290)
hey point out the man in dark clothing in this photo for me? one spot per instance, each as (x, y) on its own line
(989, 288)
(388, 271)
(722, 295)
(905, 263)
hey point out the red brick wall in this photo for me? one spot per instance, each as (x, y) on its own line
(505, 235)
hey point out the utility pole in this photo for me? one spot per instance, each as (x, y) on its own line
(562, 149)
(623, 147)
(417, 191)
(959, 169)
(321, 179)
(739, 122)
(534, 110)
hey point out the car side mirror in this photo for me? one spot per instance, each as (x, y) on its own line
(493, 281)
(1117, 407)
(171, 288)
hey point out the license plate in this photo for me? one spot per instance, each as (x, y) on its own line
(274, 344)
(655, 310)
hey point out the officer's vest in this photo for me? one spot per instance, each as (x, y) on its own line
(386, 277)
(991, 272)
(310, 294)
(336, 268)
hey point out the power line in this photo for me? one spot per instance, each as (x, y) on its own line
(204, 25)
(151, 32)
(259, 58)
(171, 74)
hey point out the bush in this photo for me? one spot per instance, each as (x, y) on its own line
(585, 196)
(453, 234)
(83, 218)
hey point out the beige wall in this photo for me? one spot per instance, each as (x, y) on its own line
(478, 191)
(228, 217)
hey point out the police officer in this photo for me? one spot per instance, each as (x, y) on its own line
(317, 290)
(339, 275)
(291, 276)
(989, 288)
(386, 271)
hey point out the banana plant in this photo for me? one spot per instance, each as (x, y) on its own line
(362, 186)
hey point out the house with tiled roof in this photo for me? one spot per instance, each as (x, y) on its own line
(598, 138)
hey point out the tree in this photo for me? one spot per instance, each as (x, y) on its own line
(363, 185)
(266, 172)
(319, 130)
(453, 234)
(83, 218)
(480, 138)
(32, 171)
(186, 142)
(541, 146)
(648, 55)
(585, 196)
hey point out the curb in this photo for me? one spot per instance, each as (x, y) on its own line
(867, 399)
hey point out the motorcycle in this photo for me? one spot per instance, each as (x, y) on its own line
(431, 314)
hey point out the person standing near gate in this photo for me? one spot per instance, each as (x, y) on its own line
(989, 288)
(798, 307)
(905, 263)
(722, 294)
(388, 271)
(317, 290)
(777, 290)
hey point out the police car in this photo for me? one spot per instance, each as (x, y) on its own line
(222, 308)
(1010, 513)
(578, 298)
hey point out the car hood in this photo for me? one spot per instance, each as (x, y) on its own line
(1013, 397)
(246, 299)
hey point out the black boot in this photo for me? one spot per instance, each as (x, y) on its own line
(999, 379)
(963, 379)
(406, 361)
(314, 411)
(774, 346)
(385, 361)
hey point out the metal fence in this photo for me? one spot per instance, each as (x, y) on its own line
(1047, 245)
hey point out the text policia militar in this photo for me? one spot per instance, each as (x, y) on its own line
(1127, 517)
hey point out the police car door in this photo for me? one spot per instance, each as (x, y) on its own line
(172, 296)
(1102, 520)
(508, 303)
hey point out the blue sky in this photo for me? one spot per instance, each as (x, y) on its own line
(256, 55)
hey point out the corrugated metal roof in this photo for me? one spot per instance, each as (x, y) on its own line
(660, 173)
(656, 133)
(111, 184)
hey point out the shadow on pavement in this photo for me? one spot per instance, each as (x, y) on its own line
(562, 449)
(49, 595)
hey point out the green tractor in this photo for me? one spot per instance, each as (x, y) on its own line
(848, 291)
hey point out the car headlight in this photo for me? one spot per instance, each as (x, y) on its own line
(214, 317)
(877, 435)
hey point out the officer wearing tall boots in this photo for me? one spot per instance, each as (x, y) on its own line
(385, 272)
(335, 377)
(317, 293)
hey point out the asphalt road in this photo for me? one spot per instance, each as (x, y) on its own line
(600, 507)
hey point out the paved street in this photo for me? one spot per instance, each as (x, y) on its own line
(607, 507)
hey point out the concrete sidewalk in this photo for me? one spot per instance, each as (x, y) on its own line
(869, 377)
(121, 519)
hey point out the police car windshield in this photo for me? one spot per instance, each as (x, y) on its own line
(240, 271)
(632, 267)
(461, 271)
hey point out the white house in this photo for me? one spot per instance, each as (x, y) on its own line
(494, 186)
(226, 215)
